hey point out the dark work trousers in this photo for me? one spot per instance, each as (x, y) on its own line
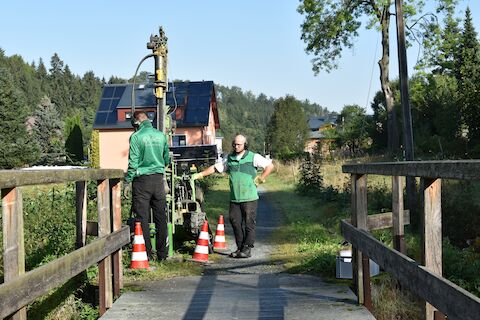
(148, 192)
(243, 219)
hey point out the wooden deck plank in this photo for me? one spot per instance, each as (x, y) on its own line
(253, 288)
(239, 296)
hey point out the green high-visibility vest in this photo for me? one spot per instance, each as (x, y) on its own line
(242, 174)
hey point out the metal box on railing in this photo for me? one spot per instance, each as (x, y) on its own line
(343, 268)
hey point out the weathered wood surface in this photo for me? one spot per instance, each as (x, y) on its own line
(458, 169)
(239, 296)
(13, 240)
(432, 231)
(398, 215)
(241, 289)
(117, 268)
(104, 228)
(25, 289)
(384, 220)
(81, 213)
(17, 178)
(449, 298)
(359, 219)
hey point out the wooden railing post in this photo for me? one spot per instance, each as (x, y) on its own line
(116, 191)
(81, 213)
(397, 216)
(432, 232)
(104, 228)
(13, 240)
(361, 265)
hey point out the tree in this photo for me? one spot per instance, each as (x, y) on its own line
(331, 26)
(287, 130)
(467, 72)
(89, 98)
(74, 141)
(48, 131)
(42, 76)
(354, 128)
(58, 85)
(436, 112)
(441, 47)
(17, 148)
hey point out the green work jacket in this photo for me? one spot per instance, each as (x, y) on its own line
(148, 152)
(242, 174)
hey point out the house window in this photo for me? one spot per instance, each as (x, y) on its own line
(128, 115)
(179, 140)
(151, 115)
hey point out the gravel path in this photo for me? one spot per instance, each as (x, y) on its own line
(267, 221)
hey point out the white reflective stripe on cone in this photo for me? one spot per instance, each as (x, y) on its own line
(203, 235)
(138, 240)
(139, 256)
(201, 249)
(220, 227)
(219, 238)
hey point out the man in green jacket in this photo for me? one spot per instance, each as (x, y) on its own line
(147, 158)
(241, 166)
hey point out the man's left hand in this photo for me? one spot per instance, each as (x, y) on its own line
(258, 180)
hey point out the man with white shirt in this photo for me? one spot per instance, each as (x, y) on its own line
(241, 166)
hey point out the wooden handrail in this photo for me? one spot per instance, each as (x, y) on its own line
(20, 289)
(450, 169)
(27, 287)
(449, 298)
(19, 178)
(424, 280)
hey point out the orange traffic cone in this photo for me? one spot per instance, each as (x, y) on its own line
(139, 252)
(201, 250)
(220, 243)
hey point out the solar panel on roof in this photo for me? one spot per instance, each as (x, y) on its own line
(114, 104)
(104, 105)
(119, 91)
(112, 118)
(108, 92)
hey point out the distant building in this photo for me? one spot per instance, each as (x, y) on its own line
(318, 127)
(193, 108)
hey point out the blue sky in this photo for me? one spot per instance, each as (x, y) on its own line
(254, 45)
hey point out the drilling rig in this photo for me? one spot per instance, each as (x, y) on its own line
(185, 198)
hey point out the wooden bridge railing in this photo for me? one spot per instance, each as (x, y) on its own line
(20, 288)
(425, 280)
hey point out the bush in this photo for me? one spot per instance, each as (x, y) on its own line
(311, 180)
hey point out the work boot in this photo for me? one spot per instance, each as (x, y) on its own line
(234, 254)
(245, 252)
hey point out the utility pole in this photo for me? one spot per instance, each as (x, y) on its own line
(405, 100)
(403, 73)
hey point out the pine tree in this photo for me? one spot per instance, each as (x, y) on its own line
(89, 98)
(48, 132)
(58, 84)
(17, 148)
(467, 72)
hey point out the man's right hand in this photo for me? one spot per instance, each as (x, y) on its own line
(197, 176)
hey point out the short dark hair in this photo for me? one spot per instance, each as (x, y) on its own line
(138, 113)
